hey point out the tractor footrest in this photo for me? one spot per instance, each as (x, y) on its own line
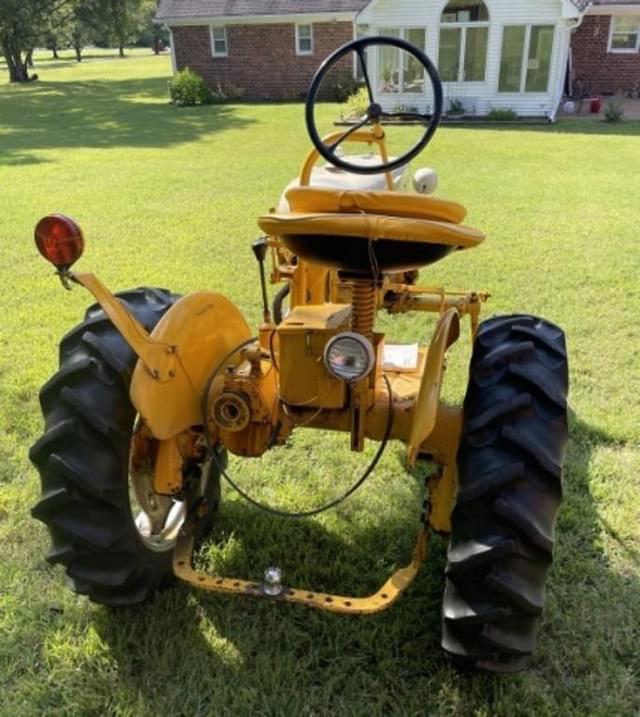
(381, 600)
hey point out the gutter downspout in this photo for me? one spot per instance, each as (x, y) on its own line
(570, 29)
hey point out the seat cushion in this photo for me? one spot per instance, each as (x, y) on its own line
(396, 204)
(368, 243)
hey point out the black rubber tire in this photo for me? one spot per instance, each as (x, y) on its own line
(278, 304)
(509, 470)
(83, 460)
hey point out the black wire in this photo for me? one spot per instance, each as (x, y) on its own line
(267, 508)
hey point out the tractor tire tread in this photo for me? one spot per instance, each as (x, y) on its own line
(82, 457)
(509, 472)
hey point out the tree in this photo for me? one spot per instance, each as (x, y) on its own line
(120, 20)
(22, 24)
(152, 35)
(80, 27)
(53, 34)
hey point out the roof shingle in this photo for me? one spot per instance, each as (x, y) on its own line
(195, 9)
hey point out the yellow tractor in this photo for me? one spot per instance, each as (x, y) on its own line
(154, 390)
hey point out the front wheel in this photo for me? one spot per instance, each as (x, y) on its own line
(510, 465)
(111, 549)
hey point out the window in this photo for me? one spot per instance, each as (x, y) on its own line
(625, 33)
(219, 45)
(361, 31)
(525, 65)
(539, 65)
(464, 40)
(399, 71)
(304, 39)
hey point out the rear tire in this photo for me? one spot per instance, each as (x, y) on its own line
(509, 465)
(83, 461)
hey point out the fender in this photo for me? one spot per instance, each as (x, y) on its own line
(201, 329)
(425, 411)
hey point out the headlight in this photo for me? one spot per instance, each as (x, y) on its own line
(349, 356)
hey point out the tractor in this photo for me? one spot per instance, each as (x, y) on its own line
(155, 390)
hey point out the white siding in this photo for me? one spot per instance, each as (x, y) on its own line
(480, 96)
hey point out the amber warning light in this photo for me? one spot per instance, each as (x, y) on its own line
(59, 240)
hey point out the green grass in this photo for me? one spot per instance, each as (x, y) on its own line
(170, 197)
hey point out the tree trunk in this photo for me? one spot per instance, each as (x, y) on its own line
(121, 49)
(29, 58)
(156, 45)
(78, 49)
(54, 49)
(17, 66)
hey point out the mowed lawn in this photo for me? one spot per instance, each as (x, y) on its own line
(169, 198)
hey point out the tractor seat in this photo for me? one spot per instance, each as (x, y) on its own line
(369, 233)
(395, 204)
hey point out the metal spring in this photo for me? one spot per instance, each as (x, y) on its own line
(364, 307)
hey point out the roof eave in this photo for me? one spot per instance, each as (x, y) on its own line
(256, 19)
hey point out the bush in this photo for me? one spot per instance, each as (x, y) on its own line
(614, 111)
(188, 89)
(502, 115)
(226, 93)
(356, 105)
(344, 86)
(456, 107)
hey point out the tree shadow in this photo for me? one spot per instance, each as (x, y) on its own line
(241, 655)
(101, 114)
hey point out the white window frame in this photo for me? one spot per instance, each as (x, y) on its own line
(464, 26)
(525, 58)
(299, 51)
(623, 50)
(212, 30)
(402, 31)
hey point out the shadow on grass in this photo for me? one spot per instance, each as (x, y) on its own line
(101, 114)
(234, 654)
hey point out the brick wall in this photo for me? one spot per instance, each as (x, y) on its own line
(262, 58)
(605, 72)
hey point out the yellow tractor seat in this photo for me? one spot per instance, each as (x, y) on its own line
(395, 204)
(363, 243)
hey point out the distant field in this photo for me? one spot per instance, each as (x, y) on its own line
(170, 197)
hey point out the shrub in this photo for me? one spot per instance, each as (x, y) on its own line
(456, 107)
(343, 87)
(411, 109)
(227, 93)
(188, 89)
(356, 105)
(614, 110)
(502, 115)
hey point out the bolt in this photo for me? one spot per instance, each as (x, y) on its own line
(272, 582)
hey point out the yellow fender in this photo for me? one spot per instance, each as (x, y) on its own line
(426, 407)
(201, 328)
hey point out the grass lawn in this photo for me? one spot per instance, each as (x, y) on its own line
(169, 198)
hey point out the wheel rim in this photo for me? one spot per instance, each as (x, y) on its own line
(166, 538)
(157, 518)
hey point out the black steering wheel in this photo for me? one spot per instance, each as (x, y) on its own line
(375, 113)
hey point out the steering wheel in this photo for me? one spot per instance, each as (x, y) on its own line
(375, 114)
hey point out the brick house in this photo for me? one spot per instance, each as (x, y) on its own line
(268, 49)
(605, 49)
(491, 54)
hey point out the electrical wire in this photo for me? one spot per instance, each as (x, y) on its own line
(296, 515)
